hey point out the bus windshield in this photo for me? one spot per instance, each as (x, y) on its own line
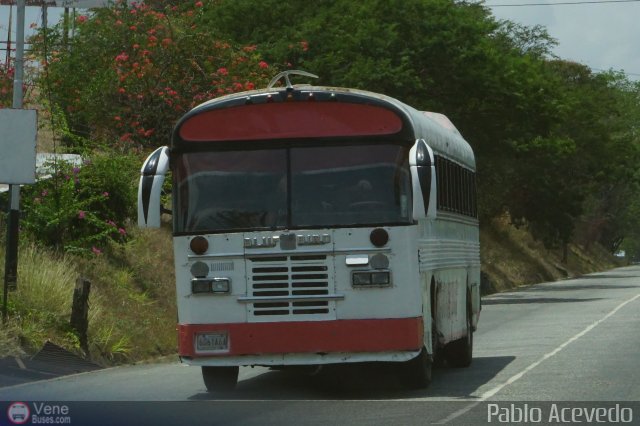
(289, 188)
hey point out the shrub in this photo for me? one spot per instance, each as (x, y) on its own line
(6, 87)
(81, 209)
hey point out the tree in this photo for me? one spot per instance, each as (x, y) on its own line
(131, 71)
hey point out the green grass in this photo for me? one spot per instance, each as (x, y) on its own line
(39, 309)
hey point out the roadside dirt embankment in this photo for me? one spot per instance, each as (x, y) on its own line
(511, 257)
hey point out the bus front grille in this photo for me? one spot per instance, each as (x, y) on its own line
(290, 286)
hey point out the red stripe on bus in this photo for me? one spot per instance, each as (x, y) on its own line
(290, 120)
(370, 335)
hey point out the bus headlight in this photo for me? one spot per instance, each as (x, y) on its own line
(211, 285)
(221, 285)
(199, 269)
(371, 278)
(381, 278)
(361, 278)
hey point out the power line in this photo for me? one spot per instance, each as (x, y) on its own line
(563, 3)
(634, 74)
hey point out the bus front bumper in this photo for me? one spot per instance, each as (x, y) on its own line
(301, 342)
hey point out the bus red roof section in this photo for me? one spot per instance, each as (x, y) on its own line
(287, 120)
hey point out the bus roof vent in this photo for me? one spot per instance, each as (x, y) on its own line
(286, 75)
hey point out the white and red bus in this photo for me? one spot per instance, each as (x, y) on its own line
(319, 225)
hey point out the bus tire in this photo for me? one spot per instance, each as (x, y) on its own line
(459, 353)
(416, 373)
(220, 379)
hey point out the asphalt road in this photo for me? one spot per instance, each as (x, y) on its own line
(572, 344)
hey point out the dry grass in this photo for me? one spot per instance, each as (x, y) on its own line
(40, 307)
(133, 289)
(132, 311)
(511, 258)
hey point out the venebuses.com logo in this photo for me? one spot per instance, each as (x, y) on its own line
(18, 413)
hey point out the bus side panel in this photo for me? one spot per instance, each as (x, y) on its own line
(449, 249)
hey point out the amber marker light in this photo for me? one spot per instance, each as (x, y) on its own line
(199, 245)
(379, 237)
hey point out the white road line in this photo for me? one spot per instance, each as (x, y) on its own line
(488, 394)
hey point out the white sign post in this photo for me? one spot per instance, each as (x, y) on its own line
(23, 134)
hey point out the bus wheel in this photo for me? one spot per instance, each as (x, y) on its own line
(460, 352)
(416, 373)
(220, 378)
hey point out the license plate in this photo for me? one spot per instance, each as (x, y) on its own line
(212, 342)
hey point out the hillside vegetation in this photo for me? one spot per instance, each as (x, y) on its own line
(557, 144)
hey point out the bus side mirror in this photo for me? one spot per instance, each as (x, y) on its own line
(423, 180)
(152, 177)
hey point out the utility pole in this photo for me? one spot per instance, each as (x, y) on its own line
(65, 27)
(45, 17)
(7, 61)
(11, 255)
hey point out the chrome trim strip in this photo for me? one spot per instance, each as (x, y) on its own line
(298, 358)
(214, 256)
(356, 250)
(359, 250)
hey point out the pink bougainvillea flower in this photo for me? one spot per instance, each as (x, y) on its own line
(199, 4)
(121, 231)
(263, 64)
(223, 71)
(96, 250)
(81, 214)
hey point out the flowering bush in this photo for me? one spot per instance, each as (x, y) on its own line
(81, 209)
(6, 87)
(132, 70)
